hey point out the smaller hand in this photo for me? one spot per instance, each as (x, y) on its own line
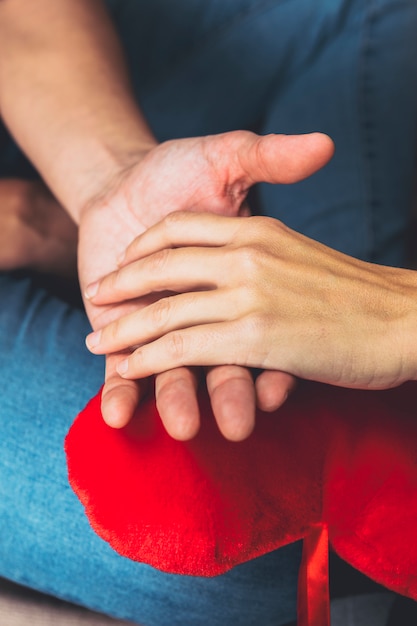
(253, 292)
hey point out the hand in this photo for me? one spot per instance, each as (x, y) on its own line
(258, 294)
(199, 174)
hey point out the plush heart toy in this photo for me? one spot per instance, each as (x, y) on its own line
(332, 465)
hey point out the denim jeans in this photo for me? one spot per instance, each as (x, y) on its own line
(343, 67)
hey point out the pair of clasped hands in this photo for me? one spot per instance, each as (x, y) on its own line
(211, 286)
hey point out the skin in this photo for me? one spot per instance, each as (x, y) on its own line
(225, 185)
(65, 97)
(35, 231)
(255, 293)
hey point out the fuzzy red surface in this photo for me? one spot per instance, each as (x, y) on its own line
(346, 459)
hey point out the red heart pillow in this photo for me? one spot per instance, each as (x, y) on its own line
(331, 460)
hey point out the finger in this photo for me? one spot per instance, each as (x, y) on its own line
(165, 270)
(273, 388)
(212, 344)
(278, 158)
(232, 396)
(179, 229)
(120, 397)
(165, 315)
(176, 400)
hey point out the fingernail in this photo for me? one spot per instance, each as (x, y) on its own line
(122, 367)
(91, 290)
(93, 339)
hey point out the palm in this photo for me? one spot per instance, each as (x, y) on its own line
(177, 175)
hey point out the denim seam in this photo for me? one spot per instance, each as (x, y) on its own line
(367, 130)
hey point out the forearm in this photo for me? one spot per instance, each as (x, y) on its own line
(65, 95)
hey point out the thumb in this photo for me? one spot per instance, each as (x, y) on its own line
(280, 158)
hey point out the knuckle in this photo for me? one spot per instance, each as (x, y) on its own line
(175, 345)
(113, 331)
(160, 312)
(248, 260)
(137, 360)
(257, 326)
(173, 220)
(259, 226)
(158, 261)
(116, 281)
(258, 322)
(248, 297)
(255, 322)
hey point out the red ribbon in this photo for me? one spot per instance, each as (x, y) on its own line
(313, 583)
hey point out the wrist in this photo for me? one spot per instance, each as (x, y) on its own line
(66, 97)
(103, 175)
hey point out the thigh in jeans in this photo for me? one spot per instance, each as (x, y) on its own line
(46, 377)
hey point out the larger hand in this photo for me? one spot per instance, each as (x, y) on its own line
(199, 174)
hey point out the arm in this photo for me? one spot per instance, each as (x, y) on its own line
(65, 96)
(259, 294)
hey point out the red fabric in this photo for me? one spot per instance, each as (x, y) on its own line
(342, 459)
(313, 584)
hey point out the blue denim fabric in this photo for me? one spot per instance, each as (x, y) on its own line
(343, 67)
(46, 376)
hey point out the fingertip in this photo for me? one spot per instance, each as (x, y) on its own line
(325, 142)
(273, 389)
(114, 415)
(92, 341)
(91, 290)
(235, 432)
(287, 159)
(233, 403)
(118, 404)
(181, 429)
(181, 419)
(271, 404)
(234, 412)
(311, 152)
(177, 404)
(235, 425)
